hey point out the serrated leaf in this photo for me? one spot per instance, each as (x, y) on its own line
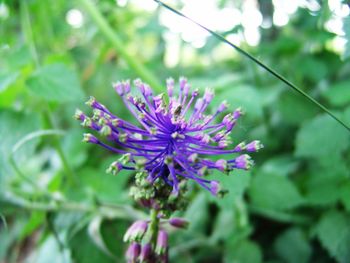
(292, 246)
(274, 192)
(320, 138)
(56, 82)
(339, 93)
(244, 251)
(333, 231)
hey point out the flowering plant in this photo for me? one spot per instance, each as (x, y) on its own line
(171, 146)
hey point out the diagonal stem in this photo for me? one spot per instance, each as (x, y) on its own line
(261, 64)
(108, 32)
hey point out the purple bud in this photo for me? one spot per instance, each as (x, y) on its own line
(162, 242)
(126, 86)
(115, 168)
(136, 231)
(237, 113)
(170, 86)
(79, 115)
(223, 106)
(254, 146)
(240, 147)
(133, 252)
(199, 104)
(187, 89)
(243, 162)
(178, 222)
(214, 187)
(208, 95)
(195, 93)
(88, 137)
(118, 87)
(221, 165)
(146, 253)
(183, 82)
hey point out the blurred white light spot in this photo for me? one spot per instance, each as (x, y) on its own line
(4, 11)
(75, 18)
(251, 18)
(252, 36)
(122, 3)
(335, 26)
(280, 18)
(145, 5)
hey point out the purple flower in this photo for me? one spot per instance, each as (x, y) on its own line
(136, 231)
(176, 136)
(133, 252)
(162, 242)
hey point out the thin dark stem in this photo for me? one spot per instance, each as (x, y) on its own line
(261, 64)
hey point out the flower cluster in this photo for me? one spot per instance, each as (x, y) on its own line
(175, 137)
(141, 249)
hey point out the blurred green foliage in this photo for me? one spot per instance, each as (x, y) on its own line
(58, 205)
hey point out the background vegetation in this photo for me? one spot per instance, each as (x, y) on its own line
(58, 205)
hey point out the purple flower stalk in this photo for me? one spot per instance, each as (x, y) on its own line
(176, 136)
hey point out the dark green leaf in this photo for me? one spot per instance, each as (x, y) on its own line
(333, 231)
(56, 82)
(275, 192)
(320, 138)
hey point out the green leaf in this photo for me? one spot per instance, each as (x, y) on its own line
(320, 138)
(345, 194)
(197, 213)
(292, 246)
(276, 192)
(333, 231)
(56, 82)
(294, 109)
(339, 93)
(244, 251)
(85, 251)
(14, 126)
(7, 79)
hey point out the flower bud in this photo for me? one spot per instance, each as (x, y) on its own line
(214, 187)
(162, 242)
(178, 222)
(79, 115)
(115, 168)
(136, 231)
(146, 253)
(88, 137)
(243, 162)
(133, 252)
(221, 165)
(254, 146)
(208, 95)
(170, 86)
(106, 131)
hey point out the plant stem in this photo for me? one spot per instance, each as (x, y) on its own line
(154, 226)
(119, 211)
(108, 32)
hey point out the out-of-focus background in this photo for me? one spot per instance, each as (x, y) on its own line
(57, 204)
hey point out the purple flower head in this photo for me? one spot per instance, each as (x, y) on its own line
(176, 135)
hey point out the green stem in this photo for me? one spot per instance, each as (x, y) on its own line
(57, 144)
(259, 63)
(117, 42)
(106, 210)
(153, 226)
